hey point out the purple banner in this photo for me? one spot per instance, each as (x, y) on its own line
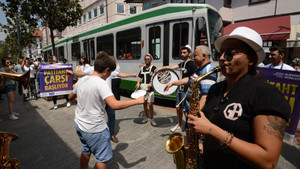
(287, 82)
(54, 80)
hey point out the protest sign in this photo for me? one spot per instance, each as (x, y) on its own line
(54, 79)
(287, 82)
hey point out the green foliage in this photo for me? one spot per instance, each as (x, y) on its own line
(12, 13)
(55, 14)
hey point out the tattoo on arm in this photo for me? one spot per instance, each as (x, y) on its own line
(276, 126)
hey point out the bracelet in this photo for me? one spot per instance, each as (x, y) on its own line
(223, 139)
(228, 144)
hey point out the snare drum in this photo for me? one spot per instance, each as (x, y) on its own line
(163, 77)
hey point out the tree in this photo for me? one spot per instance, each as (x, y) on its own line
(55, 14)
(19, 33)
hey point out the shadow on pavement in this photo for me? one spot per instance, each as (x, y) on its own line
(38, 145)
(118, 158)
(291, 153)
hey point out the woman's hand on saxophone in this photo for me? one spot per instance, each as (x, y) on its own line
(200, 124)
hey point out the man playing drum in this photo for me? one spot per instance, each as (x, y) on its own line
(144, 82)
(187, 68)
(202, 61)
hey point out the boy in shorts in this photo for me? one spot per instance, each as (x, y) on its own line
(93, 93)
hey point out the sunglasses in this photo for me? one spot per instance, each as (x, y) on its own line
(147, 59)
(228, 53)
(7, 62)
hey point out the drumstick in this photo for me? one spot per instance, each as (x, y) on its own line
(181, 100)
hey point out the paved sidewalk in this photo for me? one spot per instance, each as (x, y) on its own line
(47, 138)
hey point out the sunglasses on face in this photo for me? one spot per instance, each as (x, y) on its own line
(7, 62)
(147, 59)
(228, 53)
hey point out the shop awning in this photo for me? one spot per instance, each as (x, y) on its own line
(277, 28)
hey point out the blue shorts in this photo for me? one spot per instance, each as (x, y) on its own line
(9, 88)
(179, 97)
(97, 144)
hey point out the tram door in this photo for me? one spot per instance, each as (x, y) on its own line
(89, 50)
(180, 35)
(154, 42)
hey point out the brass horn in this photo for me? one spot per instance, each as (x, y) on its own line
(23, 78)
(5, 161)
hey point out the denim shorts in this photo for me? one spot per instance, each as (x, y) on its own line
(179, 97)
(97, 144)
(9, 88)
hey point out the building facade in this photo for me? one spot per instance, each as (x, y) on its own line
(34, 49)
(95, 14)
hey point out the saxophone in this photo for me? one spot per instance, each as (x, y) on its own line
(5, 161)
(187, 157)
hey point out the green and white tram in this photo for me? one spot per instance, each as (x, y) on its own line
(160, 31)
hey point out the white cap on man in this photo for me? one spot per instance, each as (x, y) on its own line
(188, 47)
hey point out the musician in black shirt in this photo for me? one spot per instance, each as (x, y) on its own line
(244, 118)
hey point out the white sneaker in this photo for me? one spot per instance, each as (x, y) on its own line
(55, 107)
(175, 128)
(17, 114)
(153, 123)
(145, 120)
(68, 104)
(13, 117)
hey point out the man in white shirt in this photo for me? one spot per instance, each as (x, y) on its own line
(276, 55)
(110, 111)
(93, 95)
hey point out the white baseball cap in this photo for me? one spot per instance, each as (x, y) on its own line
(188, 47)
(247, 35)
(148, 54)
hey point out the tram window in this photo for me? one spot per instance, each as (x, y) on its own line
(180, 38)
(85, 49)
(200, 35)
(48, 54)
(92, 47)
(75, 47)
(129, 44)
(106, 43)
(60, 53)
(155, 42)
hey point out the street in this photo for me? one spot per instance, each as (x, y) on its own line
(47, 138)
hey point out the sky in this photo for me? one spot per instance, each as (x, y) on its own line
(3, 21)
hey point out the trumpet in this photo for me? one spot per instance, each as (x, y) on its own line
(23, 78)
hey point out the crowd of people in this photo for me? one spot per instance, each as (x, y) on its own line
(32, 91)
(241, 119)
(11, 86)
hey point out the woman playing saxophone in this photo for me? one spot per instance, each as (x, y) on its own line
(244, 118)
